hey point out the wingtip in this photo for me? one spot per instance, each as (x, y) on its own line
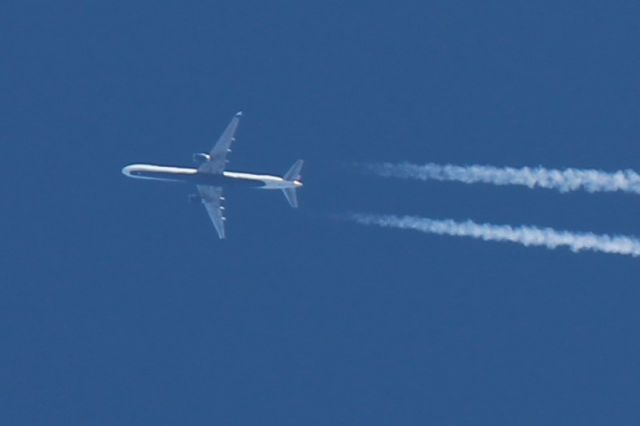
(239, 114)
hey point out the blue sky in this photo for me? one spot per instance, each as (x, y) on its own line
(118, 304)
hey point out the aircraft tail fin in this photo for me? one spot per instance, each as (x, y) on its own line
(291, 196)
(294, 171)
(293, 175)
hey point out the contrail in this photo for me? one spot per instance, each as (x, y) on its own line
(562, 180)
(525, 235)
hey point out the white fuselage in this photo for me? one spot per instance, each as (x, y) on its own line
(191, 175)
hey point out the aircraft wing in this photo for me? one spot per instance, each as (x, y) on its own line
(218, 153)
(212, 199)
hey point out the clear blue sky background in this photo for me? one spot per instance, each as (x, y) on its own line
(119, 306)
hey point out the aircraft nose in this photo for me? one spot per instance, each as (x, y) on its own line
(127, 170)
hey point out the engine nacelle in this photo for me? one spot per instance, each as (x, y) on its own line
(201, 157)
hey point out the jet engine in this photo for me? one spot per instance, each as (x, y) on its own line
(201, 157)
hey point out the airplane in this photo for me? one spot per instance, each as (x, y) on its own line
(210, 176)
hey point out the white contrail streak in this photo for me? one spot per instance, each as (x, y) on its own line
(562, 180)
(525, 235)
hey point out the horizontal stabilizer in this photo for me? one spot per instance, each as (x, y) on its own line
(294, 171)
(291, 196)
